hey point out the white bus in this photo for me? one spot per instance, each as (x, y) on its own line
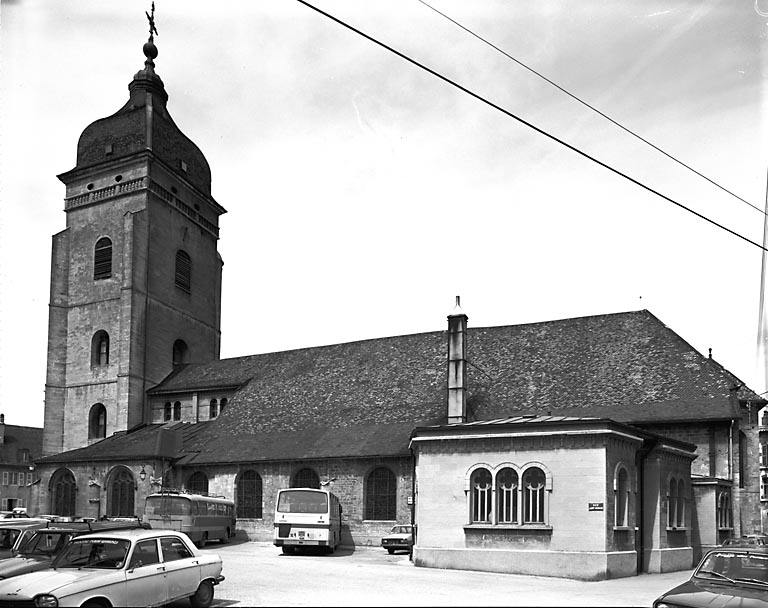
(199, 516)
(305, 517)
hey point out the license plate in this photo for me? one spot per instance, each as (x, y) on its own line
(301, 534)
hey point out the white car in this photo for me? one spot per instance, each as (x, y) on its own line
(120, 568)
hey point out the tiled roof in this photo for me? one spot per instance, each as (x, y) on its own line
(20, 438)
(359, 398)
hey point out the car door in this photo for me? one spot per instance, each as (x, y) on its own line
(145, 576)
(182, 568)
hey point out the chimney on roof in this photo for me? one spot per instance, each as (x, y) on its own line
(2, 428)
(457, 365)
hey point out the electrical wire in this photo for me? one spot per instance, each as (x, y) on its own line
(584, 103)
(530, 125)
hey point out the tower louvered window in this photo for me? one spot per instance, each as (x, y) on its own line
(183, 279)
(102, 259)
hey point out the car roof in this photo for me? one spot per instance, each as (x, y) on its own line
(741, 548)
(23, 523)
(131, 533)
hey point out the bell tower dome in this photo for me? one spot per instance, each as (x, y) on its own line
(136, 273)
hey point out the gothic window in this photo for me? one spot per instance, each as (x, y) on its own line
(198, 483)
(63, 491)
(534, 483)
(381, 495)
(214, 409)
(506, 495)
(102, 259)
(167, 411)
(122, 494)
(100, 348)
(180, 353)
(97, 422)
(480, 488)
(249, 495)
(183, 276)
(177, 410)
(621, 497)
(306, 478)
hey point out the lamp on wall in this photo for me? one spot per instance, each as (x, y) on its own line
(142, 473)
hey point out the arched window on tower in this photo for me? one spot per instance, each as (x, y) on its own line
(183, 276)
(102, 259)
(97, 422)
(180, 353)
(100, 348)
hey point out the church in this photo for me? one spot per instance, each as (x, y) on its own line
(592, 448)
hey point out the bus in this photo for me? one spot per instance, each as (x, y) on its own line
(202, 517)
(305, 517)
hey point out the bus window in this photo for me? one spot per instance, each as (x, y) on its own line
(302, 502)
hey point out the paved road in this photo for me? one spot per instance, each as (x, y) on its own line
(258, 574)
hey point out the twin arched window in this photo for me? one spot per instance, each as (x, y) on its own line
(507, 495)
(97, 422)
(172, 411)
(724, 510)
(102, 259)
(100, 349)
(249, 495)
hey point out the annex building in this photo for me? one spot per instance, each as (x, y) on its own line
(592, 447)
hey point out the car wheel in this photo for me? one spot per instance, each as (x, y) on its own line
(287, 550)
(94, 604)
(203, 597)
(391, 551)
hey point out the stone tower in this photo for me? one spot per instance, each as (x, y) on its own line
(136, 274)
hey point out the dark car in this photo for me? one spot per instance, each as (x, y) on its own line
(726, 576)
(12, 529)
(37, 550)
(747, 539)
(399, 538)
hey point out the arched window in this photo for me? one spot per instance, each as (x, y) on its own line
(180, 353)
(534, 484)
(167, 411)
(177, 410)
(306, 478)
(100, 348)
(381, 495)
(222, 405)
(680, 512)
(183, 276)
(97, 422)
(506, 496)
(102, 259)
(480, 487)
(249, 495)
(214, 409)
(621, 497)
(672, 503)
(724, 510)
(198, 483)
(121, 492)
(63, 492)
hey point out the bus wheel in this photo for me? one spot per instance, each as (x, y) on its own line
(226, 536)
(288, 550)
(203, 540)
(203, 597)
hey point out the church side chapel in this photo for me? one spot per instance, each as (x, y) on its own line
(592, 447)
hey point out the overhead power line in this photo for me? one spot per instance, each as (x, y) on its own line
(594, 109)
(528, 124)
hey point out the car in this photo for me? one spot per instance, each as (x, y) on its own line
(725, 576)
(399, 538)
(135, 567)
(37, 547)
(12, 529)
(15, 514)
(747, 539)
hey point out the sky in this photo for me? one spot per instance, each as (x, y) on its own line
(364, 193)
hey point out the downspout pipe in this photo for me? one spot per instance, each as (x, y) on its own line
(413, 502)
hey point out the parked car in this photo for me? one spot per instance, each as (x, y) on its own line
(399, 538)
(11, 529)
(42, 545)
(726, 576)
(14, 514)
(134, 567)
(747, 539)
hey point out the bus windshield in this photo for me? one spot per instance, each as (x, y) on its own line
(302, 501)
(168, 505)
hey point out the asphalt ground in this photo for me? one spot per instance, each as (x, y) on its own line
(258, 574)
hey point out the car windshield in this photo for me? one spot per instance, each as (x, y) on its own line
(93, 553)
(45, 544)
(401, 529)
(735, 566)
(8, 536)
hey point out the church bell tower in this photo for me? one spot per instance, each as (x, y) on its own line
(136, 274)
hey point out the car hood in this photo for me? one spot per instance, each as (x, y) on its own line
(43, 581)
(398, 536)
(20, 565)
(717, 595)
